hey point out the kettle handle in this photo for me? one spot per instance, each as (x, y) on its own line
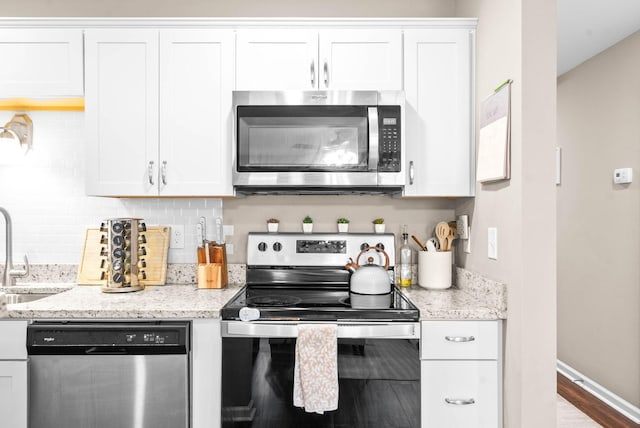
(386, 256)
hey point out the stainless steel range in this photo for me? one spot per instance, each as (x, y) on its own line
(295, 278)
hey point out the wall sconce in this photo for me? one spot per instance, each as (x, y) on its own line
(20, 128)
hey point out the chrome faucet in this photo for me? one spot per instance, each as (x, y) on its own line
(10, 274)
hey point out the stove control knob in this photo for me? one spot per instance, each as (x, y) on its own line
(380, 245)
(277, 246)
(262, 246)
(363, 246)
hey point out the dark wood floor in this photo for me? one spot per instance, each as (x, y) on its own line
(591, 406)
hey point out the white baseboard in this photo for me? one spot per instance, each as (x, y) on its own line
(597, 390)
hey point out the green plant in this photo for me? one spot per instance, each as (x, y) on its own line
(307, 219)
(343, 220)
(378, 221)
(273, 220)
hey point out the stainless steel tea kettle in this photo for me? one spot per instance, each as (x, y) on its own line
(370, 278)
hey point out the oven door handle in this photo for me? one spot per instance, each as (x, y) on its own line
(351, 331)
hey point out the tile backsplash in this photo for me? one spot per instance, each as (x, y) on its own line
(45, 196)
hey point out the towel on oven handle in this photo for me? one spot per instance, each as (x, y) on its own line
(315, 376)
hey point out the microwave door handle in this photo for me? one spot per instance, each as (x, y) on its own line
(373, 138)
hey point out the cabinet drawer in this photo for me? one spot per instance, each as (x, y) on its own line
(460, 394)
(459, 340)
(13, 340)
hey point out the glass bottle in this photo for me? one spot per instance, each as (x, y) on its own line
(405, 259)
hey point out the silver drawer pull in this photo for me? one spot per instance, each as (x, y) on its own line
(460, 401)
(459, 338)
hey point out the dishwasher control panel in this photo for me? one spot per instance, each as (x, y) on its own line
(108, 337)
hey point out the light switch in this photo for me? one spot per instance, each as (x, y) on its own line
(492, 243)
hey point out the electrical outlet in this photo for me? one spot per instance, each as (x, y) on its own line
(492, 243)
(462, 226)
(466, 245)
(177, 236)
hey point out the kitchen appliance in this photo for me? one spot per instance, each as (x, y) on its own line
(108, 374)
(124, 247)
(295, 279)
(307, 142)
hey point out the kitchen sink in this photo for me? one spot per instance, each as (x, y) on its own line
(13, 298)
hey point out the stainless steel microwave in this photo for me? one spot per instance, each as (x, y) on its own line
(306, 142)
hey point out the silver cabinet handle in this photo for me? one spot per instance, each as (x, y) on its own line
(326, 74)
(459, 338)
(150, 172)
(163, 173)
(313, 73)
(412, 172)
(460, 401)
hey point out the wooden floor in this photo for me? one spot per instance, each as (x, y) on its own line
(599, 412)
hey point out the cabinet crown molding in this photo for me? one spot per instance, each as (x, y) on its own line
(237, 22)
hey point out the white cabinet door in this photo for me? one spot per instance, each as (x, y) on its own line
(360, 60)
(459, 394)
(319, 60)
(41, 63)
(121, 110)
(13, 394)
(206, 373)
(13, 374)
(196, 80)
(277, 60)
(438, 77)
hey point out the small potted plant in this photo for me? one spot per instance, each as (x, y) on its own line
(378, 225)
(272, 225)
(343, 225)
(307, 224)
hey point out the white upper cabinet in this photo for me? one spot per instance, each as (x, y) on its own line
(121, 111)
(196, 80)
(319, 60)
(158, 112)
(41, 63)
(438, 76)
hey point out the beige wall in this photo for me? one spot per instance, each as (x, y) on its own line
(599, 271)
(251, 213)
(516, 39)
(228, 8)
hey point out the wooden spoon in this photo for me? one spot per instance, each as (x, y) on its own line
(442, 232)
(420, 244)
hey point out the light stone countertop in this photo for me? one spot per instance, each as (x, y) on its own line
(159, 301)
(451, 304)
(473, 298)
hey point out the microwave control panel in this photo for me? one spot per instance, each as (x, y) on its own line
(389, 146)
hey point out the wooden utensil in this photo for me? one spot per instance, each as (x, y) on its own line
(442, 232)
(450, 238)
(420, 244)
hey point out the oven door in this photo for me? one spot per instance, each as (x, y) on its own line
(378, 376)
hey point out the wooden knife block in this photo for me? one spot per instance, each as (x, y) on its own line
(217, 255)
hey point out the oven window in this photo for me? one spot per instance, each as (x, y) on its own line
(379, 385)
(302, 138)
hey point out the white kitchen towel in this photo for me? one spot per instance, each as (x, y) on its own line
(315, 376)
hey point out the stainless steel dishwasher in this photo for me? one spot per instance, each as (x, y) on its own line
(108, 374)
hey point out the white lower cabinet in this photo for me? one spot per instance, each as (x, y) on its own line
(13, 374)
(461, 374)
